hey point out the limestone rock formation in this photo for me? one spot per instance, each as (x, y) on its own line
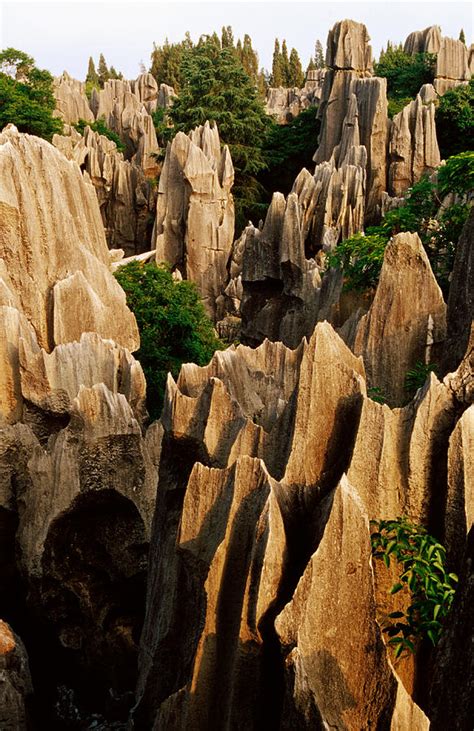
(282, 295)
(77, 473)
(423, 41)
(124, 106)
(285, 104)
(452, 65)
(166, 94)
(15, 682)
(48, 206)
(408, 300)
(306, 531)
(71, 100)
(194, 224)
(413, 148)
(126, 198)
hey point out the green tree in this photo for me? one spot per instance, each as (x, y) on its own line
(92, 75)
(174, 328)
(295, 70)
(26, 95)
(455, 120)
(227, 37)
(311, 66)
(319, 55)
(277, 77)
(103, 71)
(405, 73)
(462, 36)
(249, 58)
(285, 64)
(215, 87)
(166, 62)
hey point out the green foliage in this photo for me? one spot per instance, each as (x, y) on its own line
(174, 328)
(457, 175)
(423, 574)
(100, 126)
(455, 120)
(287, 149)
(416, 376)
(166, 62)
(462, 36)
(216, 87)
(319, 60)
(405, 74)
(376, 394)
(361, 258)
(26, 95)
(286, 71)
(396, 105)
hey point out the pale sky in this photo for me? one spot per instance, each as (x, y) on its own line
(62, 35)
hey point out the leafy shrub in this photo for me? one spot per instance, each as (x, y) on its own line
(405, 73)
(455, 120)
(100, 126)
(174, 328)
(26, 95)
(416, 376)
(423, 573)
(376, 394)
(457, 175)
(361, 258)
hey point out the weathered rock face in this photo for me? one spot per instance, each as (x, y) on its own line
(452, 57)
(258, 527)
(460, 312)
(126, 198)
(282, 295)
(194, 224)
(409, 301)
(285, 104)
(413, 148)
(15, 681)
(124, 105)
(33, 178)
(71, 100)
(77, 475)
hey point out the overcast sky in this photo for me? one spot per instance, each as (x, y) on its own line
(62, 35)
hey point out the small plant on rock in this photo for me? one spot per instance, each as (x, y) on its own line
(423, 574)
(415, 378)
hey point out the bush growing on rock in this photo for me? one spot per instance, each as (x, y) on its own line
(174, 328)
(405, 74)
(26, 95)
(100, 126)
(455, 120)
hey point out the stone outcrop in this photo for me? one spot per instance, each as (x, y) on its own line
(285, 104)
(15, 682)
(124, 106)
(126, 198)
(194, 224)
(77, 473)
(409, 301)
(282, 294)
(71, 100)
(413, 148)
(33, 178)
(263, 438)
(452, 57)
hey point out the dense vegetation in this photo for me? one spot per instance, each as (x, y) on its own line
(439, 227)
(100, 126)
(455, 120)
(96, 79)
(423, 575)
(26, 95)
(405, 75)
(174, 327)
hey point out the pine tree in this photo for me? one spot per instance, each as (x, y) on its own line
(462, 36)
(92, 76)
(295, 69)
(311, 66)
(113, 74)
(262, 84)
(249, 58)
(285, 64)
(319, 55)
(103, 71)
(227, 37)
(277, 71)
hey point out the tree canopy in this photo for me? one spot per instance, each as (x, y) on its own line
(405, 74)
(26, 95)
(174, 328)
(455, 120)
